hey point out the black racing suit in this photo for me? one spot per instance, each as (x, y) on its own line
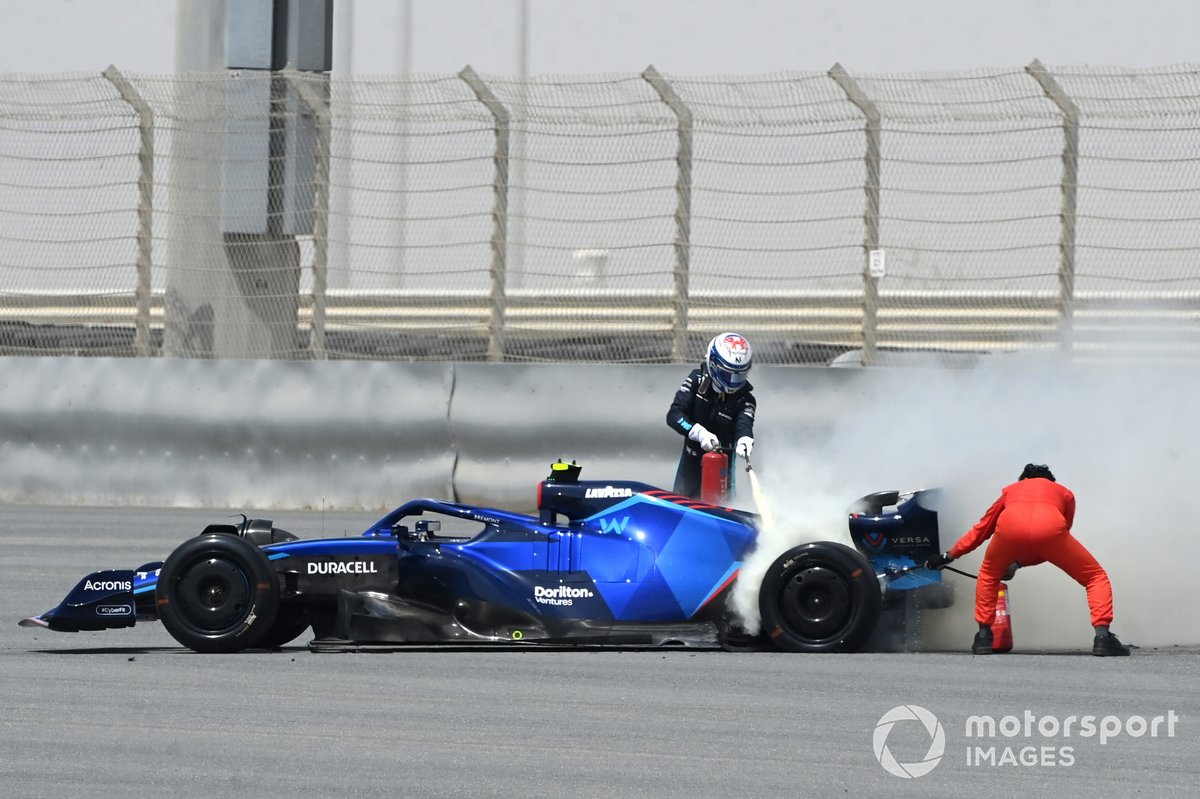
(727, 416)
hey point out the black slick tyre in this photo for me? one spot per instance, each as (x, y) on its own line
(288, 626)
(820, 597)
(217, 593)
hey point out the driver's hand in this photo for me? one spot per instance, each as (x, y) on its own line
(1011, 571)
(707, 441)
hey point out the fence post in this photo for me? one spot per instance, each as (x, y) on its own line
(683, 210)
(499, 210)
(871, 214)
(1070, 183)
(319, 107)
(145, 238)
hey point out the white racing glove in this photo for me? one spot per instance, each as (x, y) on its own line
(745, 445)
(707, 441)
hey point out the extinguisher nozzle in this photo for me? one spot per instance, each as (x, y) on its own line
(748, 465)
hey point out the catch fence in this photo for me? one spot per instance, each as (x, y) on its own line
(617, 218)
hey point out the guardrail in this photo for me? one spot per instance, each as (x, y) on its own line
(1111, 324)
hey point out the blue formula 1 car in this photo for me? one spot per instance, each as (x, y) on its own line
(603, 563)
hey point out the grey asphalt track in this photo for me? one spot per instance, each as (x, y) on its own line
(129, 713)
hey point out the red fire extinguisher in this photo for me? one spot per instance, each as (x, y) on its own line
(1002, 636)
(714, 478)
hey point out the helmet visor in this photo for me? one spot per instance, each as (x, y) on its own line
(728, 380)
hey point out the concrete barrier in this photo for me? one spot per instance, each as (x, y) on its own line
(256, 434)
(371, 434)
(337, 434)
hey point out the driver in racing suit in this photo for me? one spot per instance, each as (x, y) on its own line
(714, 407)
(1031, 524)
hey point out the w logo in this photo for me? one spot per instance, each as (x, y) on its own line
(613, 524)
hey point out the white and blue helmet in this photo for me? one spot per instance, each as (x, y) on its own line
(728, 362)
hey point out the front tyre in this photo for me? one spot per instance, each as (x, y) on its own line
(820, 597)
(289, 625)
(217, 593)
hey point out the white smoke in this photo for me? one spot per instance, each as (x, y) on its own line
(1123, 439)
(801, 518)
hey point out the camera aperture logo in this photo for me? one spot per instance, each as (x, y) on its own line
(1027, 740)
(933, 728)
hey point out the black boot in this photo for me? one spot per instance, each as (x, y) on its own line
(1107, 645)
(983, 641)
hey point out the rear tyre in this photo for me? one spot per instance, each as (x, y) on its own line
(820, 597)
(217, 593)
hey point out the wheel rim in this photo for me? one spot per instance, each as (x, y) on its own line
(214, 595)
(816, 603)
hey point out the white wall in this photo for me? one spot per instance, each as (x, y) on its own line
(677, 36)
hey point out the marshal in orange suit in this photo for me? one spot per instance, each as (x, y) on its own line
(1030, 524)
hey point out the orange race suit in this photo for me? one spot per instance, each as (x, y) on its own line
(1031, 523)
